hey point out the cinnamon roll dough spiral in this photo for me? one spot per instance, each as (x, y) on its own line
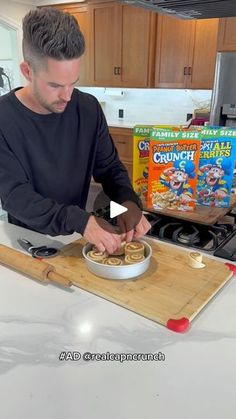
(136, 248)
(96, 256)
(195, 260)
(112, 261)
(134, 258)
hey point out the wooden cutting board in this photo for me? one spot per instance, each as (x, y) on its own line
(201, 214)
(170, 292)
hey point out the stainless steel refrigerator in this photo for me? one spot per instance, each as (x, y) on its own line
(223, 106)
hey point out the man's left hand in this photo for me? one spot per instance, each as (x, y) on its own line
(133, 224)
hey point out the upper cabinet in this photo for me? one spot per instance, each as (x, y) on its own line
(227, 34)
(128, 46)
(81, 13)
(202, 57)
(172, 50)
(185, 52)
(122, 45)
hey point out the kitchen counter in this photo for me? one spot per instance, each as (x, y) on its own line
(121, 124)
(197, 379)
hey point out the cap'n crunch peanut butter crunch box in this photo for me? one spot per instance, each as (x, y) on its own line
(173, 164)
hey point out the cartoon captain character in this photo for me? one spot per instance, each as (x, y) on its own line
(176, 179)
(213, 185)
(145, 172)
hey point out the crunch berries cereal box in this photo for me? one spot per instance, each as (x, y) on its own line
(173, 165)
(216, 167)
(140, 160)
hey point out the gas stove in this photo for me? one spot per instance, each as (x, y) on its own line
(218, 239)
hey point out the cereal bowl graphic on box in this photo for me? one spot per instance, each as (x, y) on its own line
(173, 166)
(216, 167)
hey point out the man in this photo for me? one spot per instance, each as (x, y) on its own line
(53, 138)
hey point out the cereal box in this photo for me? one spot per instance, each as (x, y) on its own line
(141, 137)
(169, 127)
(216, 167)
(173, 164)
(140, 160)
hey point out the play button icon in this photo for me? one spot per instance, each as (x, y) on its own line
(116, 209)
(107, 212)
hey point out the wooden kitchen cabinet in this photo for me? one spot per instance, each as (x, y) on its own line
(227, 34)
(202, 56)
(172, 49)
(128, 46)
(82, 15)
(122, 45)
(123, 140)
(185, 52)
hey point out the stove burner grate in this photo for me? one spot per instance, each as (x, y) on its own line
(189, 236)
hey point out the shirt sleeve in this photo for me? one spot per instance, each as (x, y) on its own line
(23, 203)
(109, 170)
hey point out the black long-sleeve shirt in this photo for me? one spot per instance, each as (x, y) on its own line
(46, 164)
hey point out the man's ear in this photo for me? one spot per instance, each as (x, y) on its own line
(26, 70)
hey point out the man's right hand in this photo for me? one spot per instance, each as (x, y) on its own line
(100, 233)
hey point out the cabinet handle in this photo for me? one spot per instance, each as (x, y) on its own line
(120, 142)
(117, 71)
(190, 71)
(185, 71)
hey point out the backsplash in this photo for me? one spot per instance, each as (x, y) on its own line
(149, 106)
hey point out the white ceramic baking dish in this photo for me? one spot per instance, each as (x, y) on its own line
(121, 271)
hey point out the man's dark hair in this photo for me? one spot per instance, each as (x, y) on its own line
(51, 33)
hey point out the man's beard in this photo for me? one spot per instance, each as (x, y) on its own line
(50, 107)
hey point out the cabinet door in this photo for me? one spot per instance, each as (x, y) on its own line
(227, 34)
(106, 44)
(203, 55)
(123, 45)
(123, 140)
(137, 46)
(81, 13)
(174, 40)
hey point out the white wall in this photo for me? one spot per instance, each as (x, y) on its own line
(14, 11)
(6, 58)
(11, 14)
(150, 106)
(5, 42)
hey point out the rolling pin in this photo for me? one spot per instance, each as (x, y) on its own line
(37, 269)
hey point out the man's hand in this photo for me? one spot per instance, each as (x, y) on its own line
(100, 233)
(133, 224)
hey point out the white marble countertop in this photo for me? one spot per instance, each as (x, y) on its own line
(196, 380)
